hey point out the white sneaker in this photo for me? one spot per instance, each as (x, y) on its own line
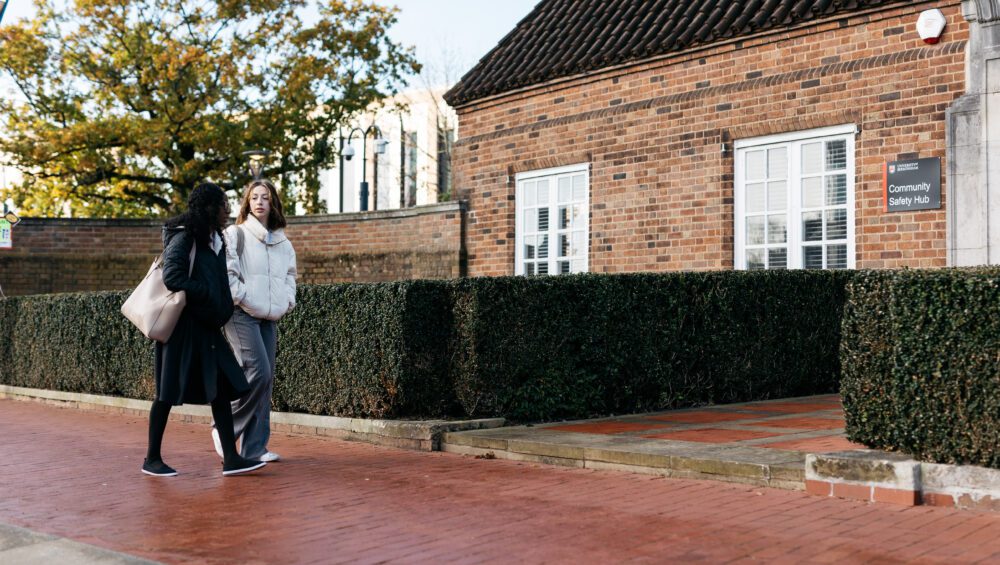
(217, 442)
(270, 457)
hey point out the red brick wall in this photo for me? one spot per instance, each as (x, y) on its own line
(63, 255)
(413, 243)
(661, 191)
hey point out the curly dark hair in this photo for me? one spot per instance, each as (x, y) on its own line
(202, 216)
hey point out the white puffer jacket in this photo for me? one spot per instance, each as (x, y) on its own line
(263, 282)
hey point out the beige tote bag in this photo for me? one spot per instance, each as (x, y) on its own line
(152, 307)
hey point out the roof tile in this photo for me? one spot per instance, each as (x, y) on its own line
(565, 37)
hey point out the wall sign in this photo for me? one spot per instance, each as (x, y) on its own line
(911, 185)
(5, 234)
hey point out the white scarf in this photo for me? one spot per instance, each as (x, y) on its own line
(215, 243)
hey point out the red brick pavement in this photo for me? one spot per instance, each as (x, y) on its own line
(702, 417)
(821, 417)
(76, 474)
(712, 435)
(608, 427)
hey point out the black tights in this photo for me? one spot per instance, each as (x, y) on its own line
(221, 411)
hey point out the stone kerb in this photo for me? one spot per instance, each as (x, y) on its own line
(420, 435)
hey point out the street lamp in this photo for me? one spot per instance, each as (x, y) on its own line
(255, 160)
(255, 166)
(347, 152)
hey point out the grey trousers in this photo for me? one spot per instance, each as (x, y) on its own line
(254, 342)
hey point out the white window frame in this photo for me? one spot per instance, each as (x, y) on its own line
(519, 230)
(792, 140)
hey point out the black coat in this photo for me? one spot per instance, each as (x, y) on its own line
(196, 364)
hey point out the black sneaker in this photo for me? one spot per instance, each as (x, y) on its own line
(157, 468)
(240, 466)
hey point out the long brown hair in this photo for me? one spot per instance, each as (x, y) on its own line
(276, 217)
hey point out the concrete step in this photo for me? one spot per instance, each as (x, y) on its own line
(679, 459)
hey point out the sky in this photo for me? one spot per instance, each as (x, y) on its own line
(455, 31)
(450, 36)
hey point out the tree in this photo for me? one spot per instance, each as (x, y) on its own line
(127, 104)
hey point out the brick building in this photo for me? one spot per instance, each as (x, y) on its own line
(661, 135)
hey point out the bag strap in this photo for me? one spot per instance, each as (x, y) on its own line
(239, 243)
(194, 249)
(239, 253)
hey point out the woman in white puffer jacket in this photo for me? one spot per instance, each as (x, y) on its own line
(261, 264)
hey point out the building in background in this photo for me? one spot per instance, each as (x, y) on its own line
(415, 168)
(9, 176)
(623, 136)
(423, 240)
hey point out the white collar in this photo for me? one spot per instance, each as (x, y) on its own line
(215, 243)
(256, 229)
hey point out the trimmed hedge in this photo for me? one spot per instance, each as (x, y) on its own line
(75, 342)
(921, 349)
(366, 350)
(362, 350)
(524, 348)
(585, 345)
(922, 364)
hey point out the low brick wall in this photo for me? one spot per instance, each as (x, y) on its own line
(878, 476)
(69, 255)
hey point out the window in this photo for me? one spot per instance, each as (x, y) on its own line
(795, 200)
(552, 221)
(408, 169)
(445, 141)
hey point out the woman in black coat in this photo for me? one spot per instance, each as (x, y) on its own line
(196, 364)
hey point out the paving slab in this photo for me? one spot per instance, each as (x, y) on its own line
(20, 546)
(12, 537)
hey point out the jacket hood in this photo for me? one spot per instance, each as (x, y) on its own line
(170, 232)
(256, 229)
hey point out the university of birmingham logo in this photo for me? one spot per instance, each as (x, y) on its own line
(892, 169)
